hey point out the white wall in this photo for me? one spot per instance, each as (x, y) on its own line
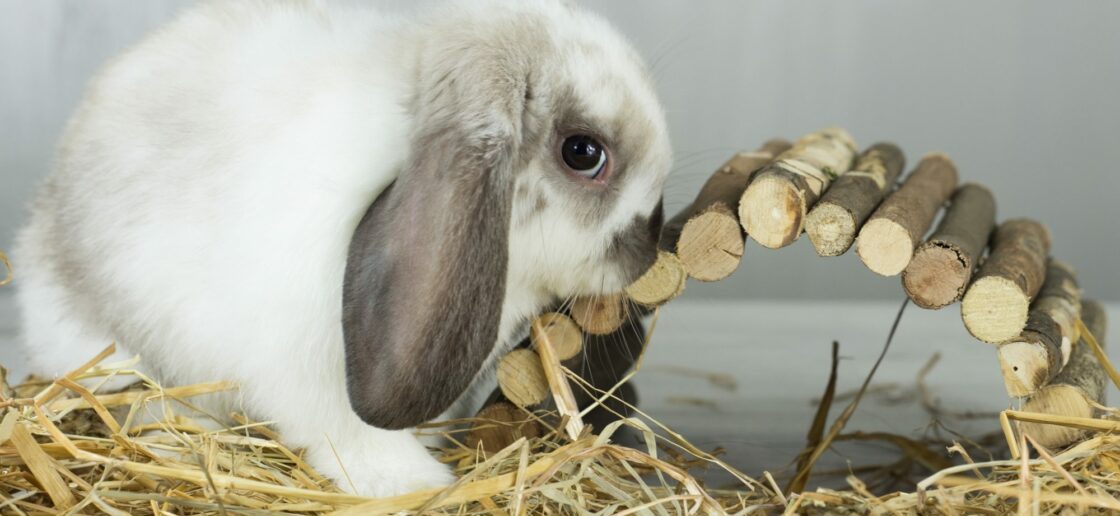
(1021, 94)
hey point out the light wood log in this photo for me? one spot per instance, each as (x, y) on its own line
(662, 282)
(996, 304)
(886, 243)
(563, 333)
(665, 279)
(773, 208)
(521, 378)
(939, 272)
(600, 315)
(602, 361)
(711, 240)
(833, 223)
(1082, 381)
(1043, 348)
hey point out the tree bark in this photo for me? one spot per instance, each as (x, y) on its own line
(1082, 381)
(942, 266)
(833, 223)
(1060, 298)
(1035, 357)
(773, 208)
(996, 304)
(886, 243)
(711, 242)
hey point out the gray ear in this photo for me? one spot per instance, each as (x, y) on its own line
(426, 274)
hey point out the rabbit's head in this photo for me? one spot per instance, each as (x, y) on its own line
(535, 173)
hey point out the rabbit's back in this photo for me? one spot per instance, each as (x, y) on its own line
(205, 190)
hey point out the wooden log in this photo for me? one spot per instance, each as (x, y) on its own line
(939, 272)
(773, 208)
(1043, 347)
(599, 358)
(833, 223)
(521, 378)
(562, 332)
(711, 242)
(1072, 393)
(886, 243)
(665, 279)
(600, 315)
(996, 304)
(1060, 298)
(499, 424)
(1030, 360)
(662, 282)
(603, 361)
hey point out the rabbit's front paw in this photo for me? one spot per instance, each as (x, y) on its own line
(382, 479)
(384, 464)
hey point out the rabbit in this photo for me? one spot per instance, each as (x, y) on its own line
(349, 213)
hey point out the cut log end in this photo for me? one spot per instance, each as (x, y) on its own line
(499, 425)
(885, 246)
(994, 309)
(599, 315)
(831, 229)
(1061, 400)
(521, 378)
(711, 245)
(662, 282)
(772, 211)
(1024, 366)
(936, 276)
(562, 332)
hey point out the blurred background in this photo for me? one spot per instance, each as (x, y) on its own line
(1021, 94)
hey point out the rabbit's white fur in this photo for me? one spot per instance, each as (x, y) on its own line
(212, 220)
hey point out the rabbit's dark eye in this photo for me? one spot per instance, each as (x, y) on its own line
(584, 156)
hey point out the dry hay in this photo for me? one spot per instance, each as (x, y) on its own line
(65, 448)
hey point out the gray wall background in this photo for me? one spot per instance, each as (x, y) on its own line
(1023, 95)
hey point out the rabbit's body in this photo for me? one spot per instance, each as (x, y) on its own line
(202, 213)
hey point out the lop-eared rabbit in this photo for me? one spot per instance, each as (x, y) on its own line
(348, 213)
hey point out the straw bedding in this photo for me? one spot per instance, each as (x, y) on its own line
(65, 448)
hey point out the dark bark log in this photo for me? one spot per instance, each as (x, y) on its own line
(832, 225)
(939, 272)
(1082, 381)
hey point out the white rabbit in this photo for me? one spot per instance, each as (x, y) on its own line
(212, 209)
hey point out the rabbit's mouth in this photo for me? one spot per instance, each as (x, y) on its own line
(634, 248)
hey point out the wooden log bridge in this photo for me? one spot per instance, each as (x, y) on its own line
(1013, 294)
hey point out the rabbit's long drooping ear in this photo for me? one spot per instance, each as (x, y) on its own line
(426, 271)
